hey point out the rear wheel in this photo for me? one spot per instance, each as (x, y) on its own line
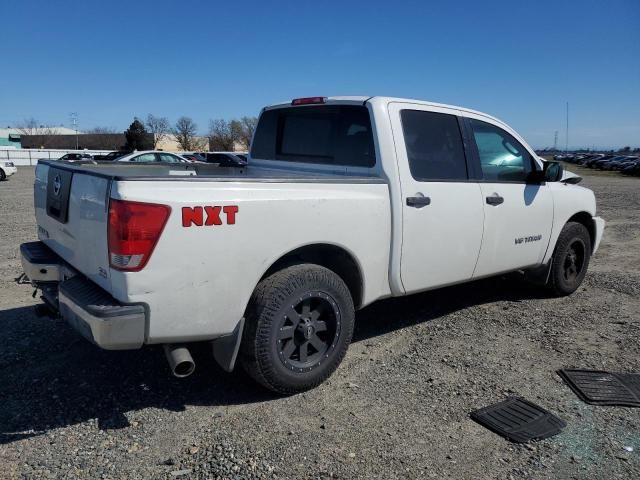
(2, 175)
(570, 259)
(299, 326)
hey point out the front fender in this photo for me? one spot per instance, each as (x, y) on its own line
(568, 201)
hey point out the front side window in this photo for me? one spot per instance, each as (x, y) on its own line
(322, 134)
(502, 157)
(434, 146)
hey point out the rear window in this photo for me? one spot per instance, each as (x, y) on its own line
(328, 134)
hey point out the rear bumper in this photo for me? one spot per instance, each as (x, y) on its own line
(99, 317)
(90, 310)
(599, 230)
(40, 263)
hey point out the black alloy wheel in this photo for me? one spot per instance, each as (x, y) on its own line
(308, 332)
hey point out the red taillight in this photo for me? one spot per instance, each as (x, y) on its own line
(134, 230)
(309, 100)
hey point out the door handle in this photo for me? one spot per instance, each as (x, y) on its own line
(495, 199)
(418, 201)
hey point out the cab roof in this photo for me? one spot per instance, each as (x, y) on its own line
(362, 99)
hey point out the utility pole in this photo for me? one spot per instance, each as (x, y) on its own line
(555, 141)
(74, 124)
(566, 145)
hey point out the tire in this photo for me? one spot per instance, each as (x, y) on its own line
(570, 259)
(299, 324)
(2, 175)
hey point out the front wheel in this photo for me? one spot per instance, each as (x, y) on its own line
(570, 259)
(299, 324)
(2, 175)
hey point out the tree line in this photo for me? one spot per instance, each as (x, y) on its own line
(223, 135)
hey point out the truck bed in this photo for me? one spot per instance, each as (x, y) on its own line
(121, 171)
(203, 273)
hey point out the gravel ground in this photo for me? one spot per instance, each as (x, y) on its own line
(398, 407)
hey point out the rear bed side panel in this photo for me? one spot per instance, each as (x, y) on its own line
(82, 241)
(200, 278)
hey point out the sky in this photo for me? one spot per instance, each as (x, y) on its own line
(109, 61)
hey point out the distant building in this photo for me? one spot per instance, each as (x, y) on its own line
(12, 137)
(62, 138)
(89, 141)
(170, 144)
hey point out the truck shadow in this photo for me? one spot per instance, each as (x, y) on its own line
(394, 313)
(51, 378)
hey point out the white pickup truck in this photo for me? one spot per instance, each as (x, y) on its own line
(346, 200)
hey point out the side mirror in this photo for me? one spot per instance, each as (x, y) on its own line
(553, 171)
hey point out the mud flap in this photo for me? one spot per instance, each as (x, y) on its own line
(225, 349)
(539, 275)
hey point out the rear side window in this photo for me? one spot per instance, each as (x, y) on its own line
(327, 134)
(145, 157)
(167, 157)
(434, 146)
(215, 158)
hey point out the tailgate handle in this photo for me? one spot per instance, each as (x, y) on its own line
(418, 201)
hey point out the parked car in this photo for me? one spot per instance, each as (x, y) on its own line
(580, 158)
(190, 157)
(76, 156)
(346, 200)
(7, 169)
(593, 157)
(602, 163)
(111, 155)
(226, 159)
(632, 169)
(619, 163)
(152, 156)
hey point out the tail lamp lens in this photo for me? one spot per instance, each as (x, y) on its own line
(134, 230)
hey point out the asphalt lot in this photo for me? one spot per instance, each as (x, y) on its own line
(397, 407)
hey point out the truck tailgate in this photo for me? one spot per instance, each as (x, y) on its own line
(72, 216)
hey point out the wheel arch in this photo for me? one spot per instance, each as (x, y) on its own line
(336, 258)
(586, 219)
(582, 217)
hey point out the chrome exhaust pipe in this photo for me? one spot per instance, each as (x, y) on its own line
(180, 360)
